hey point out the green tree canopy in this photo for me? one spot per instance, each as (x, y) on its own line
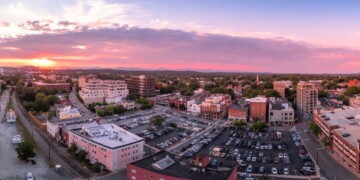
(157, 120)
(259, 126)
(25, 150)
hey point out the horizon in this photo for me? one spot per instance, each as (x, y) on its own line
(289, 37)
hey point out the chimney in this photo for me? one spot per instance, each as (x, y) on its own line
(98, 121)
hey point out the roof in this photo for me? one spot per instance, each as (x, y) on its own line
(181, 168)
(109, 135)
(259, 99)
(348, 121)
(237, 107)
(279, 104)
(45, 84)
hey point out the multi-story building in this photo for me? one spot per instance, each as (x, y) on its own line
(142, 86)
(84, 79)
(317, 83)
(215, 106)
(166, 166)
(355, 101)
(306, 99)
(280, 112)
(97, 90)
(257, 108)
(193, 106)
(342, 130)
(280, 87)
(238, 112)
(179, 103)
(108, 144)
(52, 86)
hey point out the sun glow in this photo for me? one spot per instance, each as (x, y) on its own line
(43, 62)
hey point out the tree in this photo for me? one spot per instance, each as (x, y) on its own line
(25, 150)
(145, 104)
(72, 149)
(326, 141)
(323, 94)
(81, 155)
(239, 123)
(250, 93)
(109, 110)
(157, 120)
(51, 114)
(52, 99)
(182, 107)
(352, 90)
(173, 125)
(29, 106)
(41, 103)
(259, 126)
(92, 106)
(194, 84)
(344, 99)
(119, 109)
(315, 129)
(271, 93)
(100, 112)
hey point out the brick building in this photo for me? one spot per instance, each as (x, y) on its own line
(142, 86)
(215, 106)
(165, 166)
(52, 86)
(238, 112)
(258, 108)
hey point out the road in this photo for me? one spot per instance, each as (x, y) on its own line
(46, 145)
(86, 114)
(329, 167)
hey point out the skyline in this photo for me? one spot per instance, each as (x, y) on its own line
(257, 36)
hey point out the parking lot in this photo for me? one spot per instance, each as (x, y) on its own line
(253, 152)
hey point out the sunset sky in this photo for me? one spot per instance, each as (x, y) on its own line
(285, 36)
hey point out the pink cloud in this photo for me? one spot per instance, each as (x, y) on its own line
(175, 49)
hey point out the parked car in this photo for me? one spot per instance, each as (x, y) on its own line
(286, 171)
(274, 170)
(29, 176)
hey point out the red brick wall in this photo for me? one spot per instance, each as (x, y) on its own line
(258, 111)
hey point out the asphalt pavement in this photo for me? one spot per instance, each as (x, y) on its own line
(329, 167)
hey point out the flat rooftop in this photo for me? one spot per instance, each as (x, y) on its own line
(109, 135)
(348, 120)
(42, 83)
(180, 168)
(257, 99)
(353, 130)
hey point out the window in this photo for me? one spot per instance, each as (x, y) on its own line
(133, 170)
(133, 177)
(105, 156)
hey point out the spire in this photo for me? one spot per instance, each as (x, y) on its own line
(257, 78)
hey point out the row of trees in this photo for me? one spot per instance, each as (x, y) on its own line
(250, 93)
(110, 110)
(81, 155)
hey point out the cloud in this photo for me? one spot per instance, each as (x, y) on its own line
(159, 24)
(175, 49)
(4, 24)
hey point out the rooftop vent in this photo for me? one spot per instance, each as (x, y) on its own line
(345, 135)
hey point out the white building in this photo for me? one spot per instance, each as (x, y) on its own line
(280, 112)
(68, 112)
(108, 144)
(11, 116)
(193, 107)
(97, 90)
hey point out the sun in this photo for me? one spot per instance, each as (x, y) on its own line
(43, 62)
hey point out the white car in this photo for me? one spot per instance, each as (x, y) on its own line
(306, 130)
(286, 171)
(274, 170)
(29, 176)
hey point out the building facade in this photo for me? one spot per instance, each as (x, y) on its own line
(280, 112)
(258, 108)
(237, 112)
(108, 144)
(68, 112)
(165, 166)
(215, 106)
(306, 99)
(97, 90)
(52, 86)
(280, 86)
(342, 130)
(142, 86)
